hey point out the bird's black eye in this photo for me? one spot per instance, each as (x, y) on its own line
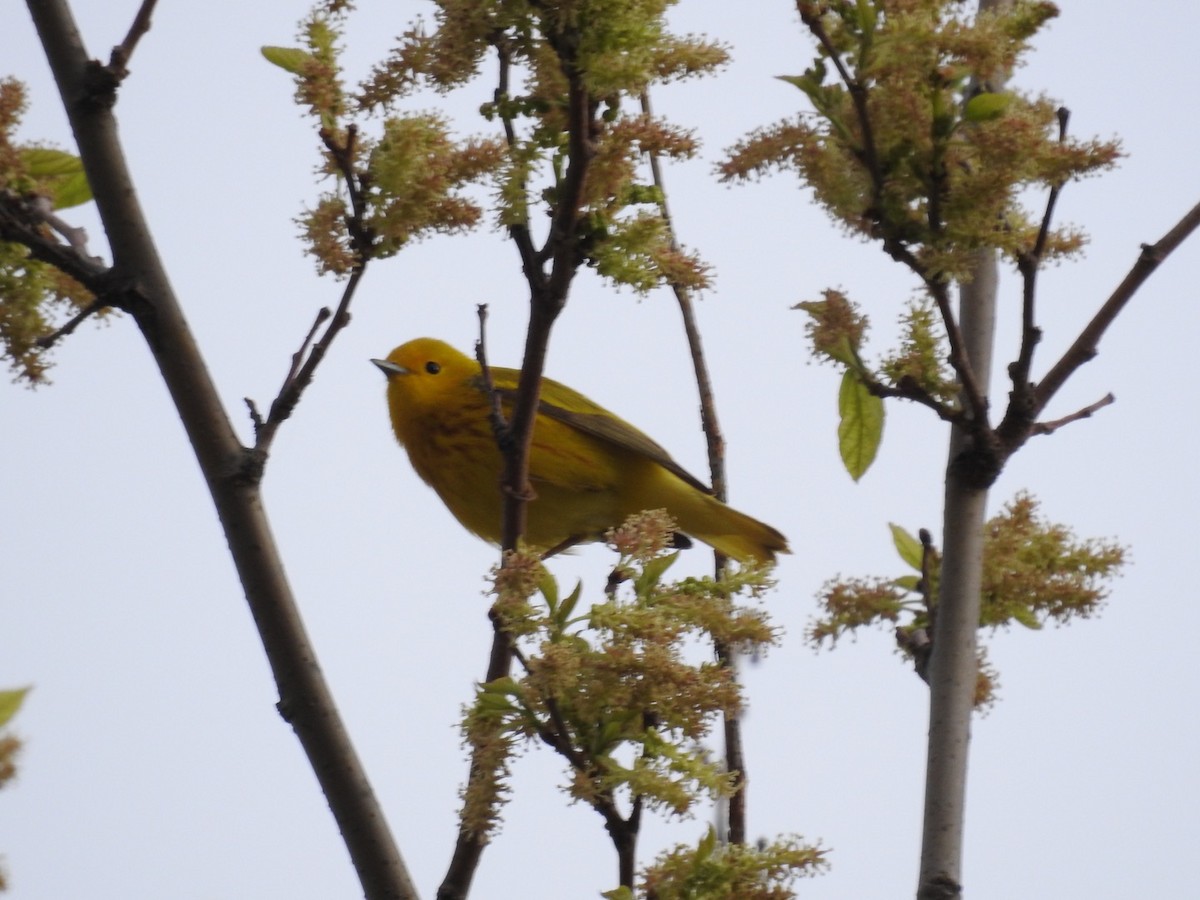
(432, 368)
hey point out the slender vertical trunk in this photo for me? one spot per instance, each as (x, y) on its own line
(953, 665)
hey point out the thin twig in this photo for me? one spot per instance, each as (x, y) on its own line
(735, 761)
(495, 412)
(1085, 346)
(21, 219)
(858, 93)
(959, 358)
(1086, 412)
(908, 389)
(1029, 264)
(518, 231)
(289, 393)
(76, 237)
(121, 54)
(305, 361)
(47, 341)
(300, 377)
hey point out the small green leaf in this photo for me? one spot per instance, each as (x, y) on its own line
(59, 172)
(907, 582)
(654, 570)
(549, 590)
(987, 106)
(707, 844)
(10, 702)
(860, 430)
(290, 59)
(907, 546)
(1027, 617)
(568, 604)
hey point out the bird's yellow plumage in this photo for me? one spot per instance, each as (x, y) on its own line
(589, 468)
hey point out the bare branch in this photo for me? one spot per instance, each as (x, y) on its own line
(1086, 345)
(20, 218)
(291, 389)
(119, 60)
(495, 413)
(1086, 412)
(47, 341)
(960, 359)
(306, 702)
(1029, 265)
(735, 760)
(518, 231)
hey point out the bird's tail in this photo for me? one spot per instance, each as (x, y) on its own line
(707, 519)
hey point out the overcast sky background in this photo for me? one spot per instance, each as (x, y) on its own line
(155, 764)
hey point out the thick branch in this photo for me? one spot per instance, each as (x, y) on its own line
(305, 701)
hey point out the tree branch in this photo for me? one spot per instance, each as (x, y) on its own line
(1029, 265)
(121, 54)
(1086, 412)
(1086, 345)
(20, 221)
(735, 760)
(305, 700)
(518, 231)
(47, 341)
(547, 296)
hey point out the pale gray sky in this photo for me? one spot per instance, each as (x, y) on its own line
(155, 765)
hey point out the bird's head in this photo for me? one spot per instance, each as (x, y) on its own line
(420, 372)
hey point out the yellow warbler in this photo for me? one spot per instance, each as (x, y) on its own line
(590, 469)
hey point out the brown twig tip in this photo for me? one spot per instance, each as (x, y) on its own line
(255, 415)
(1085, 413)
(495, 413)
(119, 60)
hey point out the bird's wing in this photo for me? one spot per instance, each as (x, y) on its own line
(572, 408)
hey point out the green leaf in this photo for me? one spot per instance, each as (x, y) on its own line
(1027, 617)
(860, 430)
(10, 702)
(907, 582)
(290, 59)
(549, 590)
(653, 572)
(568, 604)
(59, 172)
(43, 162)
(987, 106)
(907, 546)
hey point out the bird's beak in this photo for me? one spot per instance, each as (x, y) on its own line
(390, 368)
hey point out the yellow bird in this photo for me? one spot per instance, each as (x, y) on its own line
(589, 468)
